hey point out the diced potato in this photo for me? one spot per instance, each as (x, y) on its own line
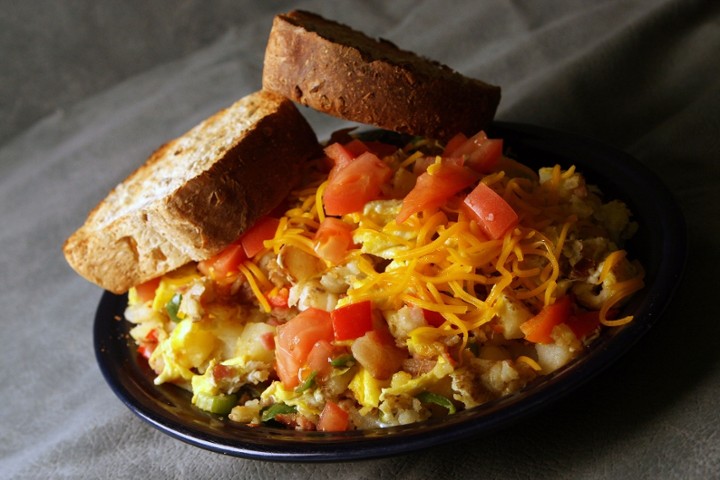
(501, 377)
(552, 356)
(311, 294)
(402, 410)
(298, 264)
(565, 347)
(511, 314)
(404, 383)
(404, 321)
(248, 347)
(248, 413)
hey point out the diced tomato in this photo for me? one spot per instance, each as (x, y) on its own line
(356, 147)
(146, 291)
(220, 371)
(352, 321)
(494, 215)
(253, 240)
(247, 246)
(224, 263)
(146, 350)
(584, 323)
(340, 155)
(147, 347)
(469, 145)
(538, 328)
(434, 189)
(152, 336)
(296, 338)
(487, 156)
(350, 187)
(287, 368)
(267, 340)
(481, 153)
(333, 418)
(454, 143)
(434, 319)
(319, 358)
(333, 239)
(278, 298)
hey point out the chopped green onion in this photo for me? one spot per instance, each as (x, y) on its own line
(308, 383)
(342, 361)
(173, 306)
(430, 397)
(220, 404)
(277, 409)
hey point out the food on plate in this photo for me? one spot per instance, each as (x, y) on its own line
(340, 71)
(440, 277)
(239, 163)
(379, 279)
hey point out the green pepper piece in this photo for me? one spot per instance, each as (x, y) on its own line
(342, 361)
(173, 306)
(430, 397)
(276, 409)
(308, 383)
(220, 404)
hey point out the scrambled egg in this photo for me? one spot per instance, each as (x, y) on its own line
(378, 233)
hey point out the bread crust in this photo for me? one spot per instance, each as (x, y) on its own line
(342, 72)
(236, 166)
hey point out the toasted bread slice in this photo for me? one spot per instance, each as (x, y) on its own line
(342, 72)
(196, 194)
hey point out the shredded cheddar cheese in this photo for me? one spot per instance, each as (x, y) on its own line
(447, 262)
(250, 276)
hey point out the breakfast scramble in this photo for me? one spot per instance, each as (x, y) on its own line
(395, 284)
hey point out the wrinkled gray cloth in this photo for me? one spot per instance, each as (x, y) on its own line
(640, 75)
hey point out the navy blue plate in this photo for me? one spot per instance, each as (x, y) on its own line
(660, 245)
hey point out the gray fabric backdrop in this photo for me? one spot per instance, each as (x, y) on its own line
(88, 89)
